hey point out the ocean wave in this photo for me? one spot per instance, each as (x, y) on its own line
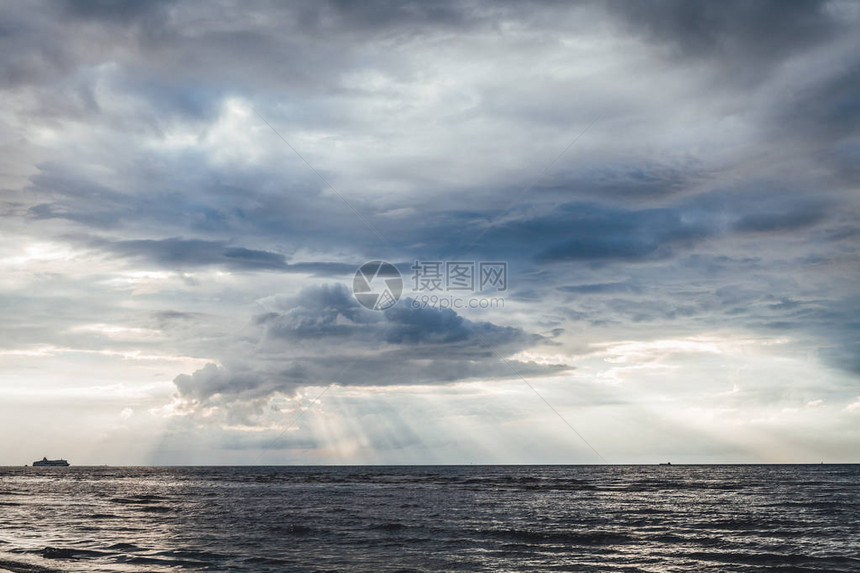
(19, 567)
(250, 520)
(539, 537)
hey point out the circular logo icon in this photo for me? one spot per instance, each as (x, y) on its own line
(377, 285)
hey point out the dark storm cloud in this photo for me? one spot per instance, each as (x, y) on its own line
(600, 288)
(625, 183)
(571, 231)
(189, 196)
(736, 33)
(187, 254)
(332, 312)
(595, 232)
(114, 11)
(323, 312)
(181, 193)
(827, 111)
(835, 322)
(429, 326)
(374, 15)
(623, 235)
(74, 196)
(325, 337)
(180, 57)
(798, 217)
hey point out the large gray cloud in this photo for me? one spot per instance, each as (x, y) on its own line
(323, 336)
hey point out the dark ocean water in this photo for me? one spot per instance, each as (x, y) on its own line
(475, 518)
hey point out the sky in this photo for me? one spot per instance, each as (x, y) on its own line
(188, 188)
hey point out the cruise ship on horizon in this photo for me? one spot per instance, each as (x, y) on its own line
(47, 462)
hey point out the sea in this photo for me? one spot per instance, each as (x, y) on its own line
(431, 518)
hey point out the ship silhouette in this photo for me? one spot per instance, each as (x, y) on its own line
(47, 462)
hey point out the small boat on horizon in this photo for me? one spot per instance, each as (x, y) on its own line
(47, 462)
(665, 463)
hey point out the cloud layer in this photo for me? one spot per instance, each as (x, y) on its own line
(651, 172)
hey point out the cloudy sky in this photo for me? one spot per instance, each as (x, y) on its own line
(187, 188)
